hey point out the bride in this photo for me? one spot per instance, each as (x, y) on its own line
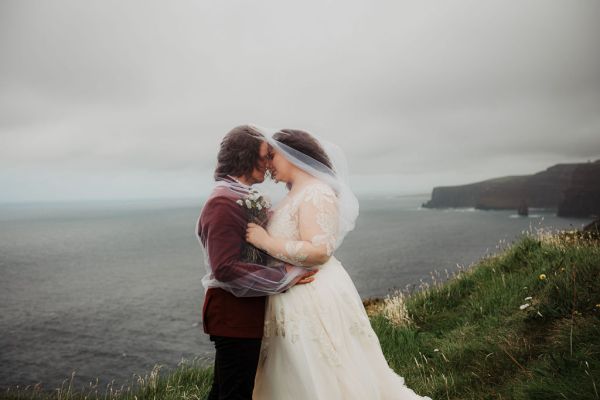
(318, 342)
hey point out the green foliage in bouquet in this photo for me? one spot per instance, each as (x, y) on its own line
(257, 209)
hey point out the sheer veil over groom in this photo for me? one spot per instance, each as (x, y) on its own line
(238, 279)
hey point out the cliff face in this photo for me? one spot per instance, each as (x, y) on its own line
(546, 189)
(493, 193)
(582, 197)
(573, 187)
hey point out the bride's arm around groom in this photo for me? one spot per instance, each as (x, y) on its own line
(318, 213)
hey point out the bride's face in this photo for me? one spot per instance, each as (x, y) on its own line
(280, 167)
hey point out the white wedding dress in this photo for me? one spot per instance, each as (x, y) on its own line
(318, 343)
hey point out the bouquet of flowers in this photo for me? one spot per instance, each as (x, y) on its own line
(257, 209)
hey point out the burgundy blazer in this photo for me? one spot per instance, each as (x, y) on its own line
(222, 227)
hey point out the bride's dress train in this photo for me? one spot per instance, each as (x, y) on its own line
(318, 342)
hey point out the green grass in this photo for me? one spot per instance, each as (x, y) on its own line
(189, 381)
(469, 337)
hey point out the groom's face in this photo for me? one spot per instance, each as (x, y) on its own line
(258, 174)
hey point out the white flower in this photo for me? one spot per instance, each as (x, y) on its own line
(240, 202)
(436, 349)
(248, 203)
(523, 306)
(259, 207)
(266, 201)
(528, 298)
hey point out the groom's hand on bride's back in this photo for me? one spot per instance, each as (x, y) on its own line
(307, 277)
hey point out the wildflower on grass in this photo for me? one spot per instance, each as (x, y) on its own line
(542, 277)
(598, 305)
(524, 306)
(528, 298)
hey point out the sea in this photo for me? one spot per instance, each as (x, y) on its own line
(103, 292)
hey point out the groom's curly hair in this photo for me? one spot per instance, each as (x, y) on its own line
(239, 152)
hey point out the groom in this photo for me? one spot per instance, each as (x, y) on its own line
(235, 324)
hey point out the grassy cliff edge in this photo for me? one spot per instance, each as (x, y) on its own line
(523, 324)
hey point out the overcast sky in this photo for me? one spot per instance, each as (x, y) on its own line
(129, 99)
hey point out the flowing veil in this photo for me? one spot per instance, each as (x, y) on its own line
(337, 177)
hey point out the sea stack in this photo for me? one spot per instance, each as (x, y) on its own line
(523, 210)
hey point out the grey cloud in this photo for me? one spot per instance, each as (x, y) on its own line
(421, 91)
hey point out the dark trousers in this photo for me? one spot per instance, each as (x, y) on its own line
(236, 361)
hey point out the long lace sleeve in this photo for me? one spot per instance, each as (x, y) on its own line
(318, 224)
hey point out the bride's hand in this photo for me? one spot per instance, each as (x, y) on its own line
(257, 236)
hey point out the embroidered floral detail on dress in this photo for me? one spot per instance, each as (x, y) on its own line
(320, 211)
(319, 193)
(280, 324)
(284, 222)
(324, 200)
(361, 328)
(294, 252)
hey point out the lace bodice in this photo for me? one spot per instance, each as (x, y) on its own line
(308, 222)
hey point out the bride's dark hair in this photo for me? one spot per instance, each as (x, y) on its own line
(304, 143)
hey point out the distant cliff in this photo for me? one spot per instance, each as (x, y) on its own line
(572, 189)
(582, 197)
